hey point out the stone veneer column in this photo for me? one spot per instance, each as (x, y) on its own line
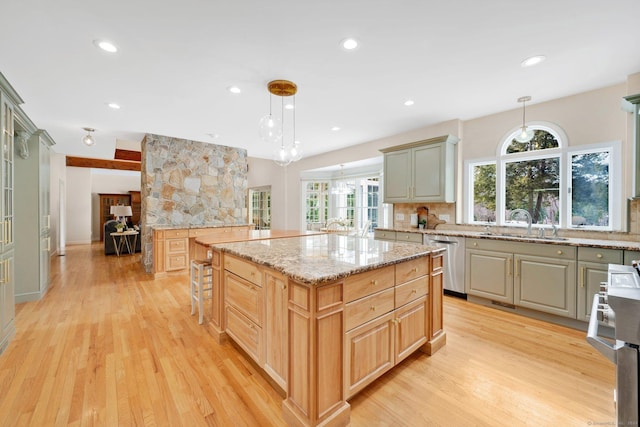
(189, 184)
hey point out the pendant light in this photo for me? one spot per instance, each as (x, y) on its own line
(88, 138)
(342, 187)
(525, 134)
(272, 129)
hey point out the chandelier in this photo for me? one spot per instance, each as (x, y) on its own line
(272, 127)
(341, 187)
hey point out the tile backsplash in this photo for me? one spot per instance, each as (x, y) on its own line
(437, 209)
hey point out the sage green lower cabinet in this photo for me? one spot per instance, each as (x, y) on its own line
(540, 277)
(546, 284)
(593, 265)
(488, 274)
(630, 256)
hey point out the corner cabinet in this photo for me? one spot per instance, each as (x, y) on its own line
(9, 101)
(422, 171)
(33, 207)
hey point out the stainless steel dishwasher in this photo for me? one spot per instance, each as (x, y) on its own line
(454, 263)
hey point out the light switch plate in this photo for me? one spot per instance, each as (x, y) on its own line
(399, 217)
(444, 217)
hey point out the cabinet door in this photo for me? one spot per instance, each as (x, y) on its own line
(276, 328)
(7, 168)
(428, 184)
(7, 299)
(436, 310)
(545, 284)
(369, 352)
(489, 274)
(412, 327)
(45, 260)
(590, 275)
(397, 176)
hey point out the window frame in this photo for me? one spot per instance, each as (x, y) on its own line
(565, 155)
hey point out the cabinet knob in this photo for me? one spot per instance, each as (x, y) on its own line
(599, 255)
(415, 270)
(559, 252)
(475, 244)
(283, 286)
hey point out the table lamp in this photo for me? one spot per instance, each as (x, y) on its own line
(121, 212)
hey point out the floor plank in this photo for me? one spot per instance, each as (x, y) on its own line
(109, 345)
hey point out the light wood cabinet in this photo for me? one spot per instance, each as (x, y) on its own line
(423, 171)
(173, 249)
(385, 321)
(593, 265)
(276, 327)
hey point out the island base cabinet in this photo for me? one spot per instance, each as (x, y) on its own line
(369, 352)
(276, 328)
(245, 333)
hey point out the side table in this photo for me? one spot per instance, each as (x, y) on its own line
(122, 239)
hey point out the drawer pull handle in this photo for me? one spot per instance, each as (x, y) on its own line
(414, 291)
(599, 255)
(559, 252)
(415, 270)
(373, 308)
(582, 276)
(374, 282)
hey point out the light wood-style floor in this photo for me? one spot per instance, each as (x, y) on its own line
(110, 346)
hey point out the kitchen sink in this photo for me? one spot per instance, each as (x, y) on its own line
(523, 236)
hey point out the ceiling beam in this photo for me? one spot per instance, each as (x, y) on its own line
(120, 154)
(83, 162)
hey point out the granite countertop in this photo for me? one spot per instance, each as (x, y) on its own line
(189, 227)
(519, 235)
(321, 258)
(243, 235)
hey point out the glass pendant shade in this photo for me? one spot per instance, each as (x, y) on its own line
(88, 138)
(270, 128)
(296, 151)
(525, 135)
(282, 155)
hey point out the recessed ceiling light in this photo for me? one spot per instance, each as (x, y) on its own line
(408, 102)
(113, 105)
(349, 44)
(335, 128)
(234, 89)
(213, 135)
(533, 60)
(106, 45)
(288, 106)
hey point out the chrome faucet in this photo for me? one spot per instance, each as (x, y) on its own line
(526, 213)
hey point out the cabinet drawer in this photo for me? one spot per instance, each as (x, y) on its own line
(176, 262)
(368, 308)
(409, 291)
(244, 296)
(384, 235)
(243, 269)
(410, 270)
(244, 332)
(402, 236)
(170, 234)
(363, 284)
(601, 255)
(173, 246)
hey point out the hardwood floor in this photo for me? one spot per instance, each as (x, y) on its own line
(110, 346)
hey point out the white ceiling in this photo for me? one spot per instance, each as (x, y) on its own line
(455, 59)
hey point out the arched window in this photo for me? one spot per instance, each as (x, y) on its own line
(556, 185)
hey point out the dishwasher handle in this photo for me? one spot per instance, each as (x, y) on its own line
(607, 349)
(446, 242)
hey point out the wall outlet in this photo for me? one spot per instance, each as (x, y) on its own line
(444, 217)
(399, 217)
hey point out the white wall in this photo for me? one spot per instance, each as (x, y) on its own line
(78, 182)
(586, 118)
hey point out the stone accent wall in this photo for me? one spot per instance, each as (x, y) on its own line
(189, 184)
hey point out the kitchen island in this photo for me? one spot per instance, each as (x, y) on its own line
(326, 315)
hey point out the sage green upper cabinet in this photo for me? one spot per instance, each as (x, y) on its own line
(422, 171)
